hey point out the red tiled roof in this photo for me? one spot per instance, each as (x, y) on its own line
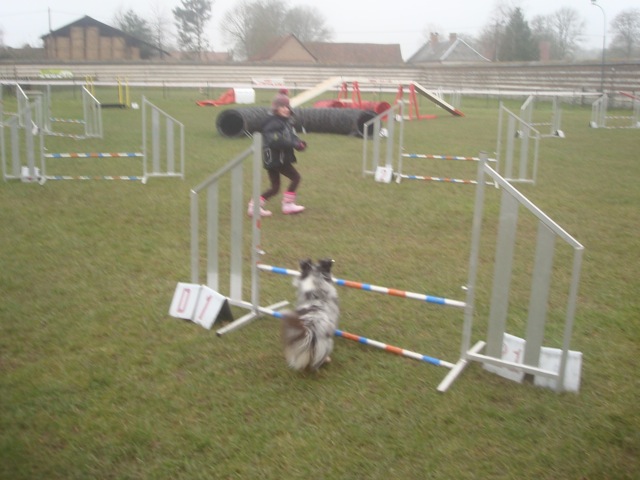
(355, 53)
(329, 53)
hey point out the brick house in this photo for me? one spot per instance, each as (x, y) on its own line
(87, 39)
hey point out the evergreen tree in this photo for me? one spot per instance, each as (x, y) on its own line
(518, 43)
(190, 19)
(136, 26)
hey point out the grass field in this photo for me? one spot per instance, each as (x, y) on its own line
(98, 381)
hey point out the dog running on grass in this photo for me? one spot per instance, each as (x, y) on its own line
(308, 331)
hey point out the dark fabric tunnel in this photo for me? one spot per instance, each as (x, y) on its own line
(344, 121)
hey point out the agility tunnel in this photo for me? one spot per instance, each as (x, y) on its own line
(344, 121)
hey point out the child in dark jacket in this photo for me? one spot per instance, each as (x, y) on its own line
(280, 141)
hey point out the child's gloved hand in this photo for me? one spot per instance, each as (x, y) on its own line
(301, 146)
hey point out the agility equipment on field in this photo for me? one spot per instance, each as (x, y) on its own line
(232, 95)
(356, 101)
(332, 117)
(124, 95)
(41, 116)
(386, 139)
(400, 176)
(413, 109)
(162, 153)
(455, 96)
(532, 360)
(91, 120)
(415, 87)
(396, 350)
(514, 137)
(600, 119)
(527, 114)
(17, 142)
(160, 157)
(35, 109)
(383, 138)
(543, 318)
(239, 122)
(363, 340)
(370, 288)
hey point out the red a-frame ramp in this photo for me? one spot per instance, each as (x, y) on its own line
(332, 82)
(437, 100)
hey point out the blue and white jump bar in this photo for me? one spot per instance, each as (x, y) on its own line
(445, 157)
(374, 343)
(372, 288)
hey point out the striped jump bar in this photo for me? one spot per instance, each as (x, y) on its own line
(67, 135)
(438, 179)
(396, 350)
(66, 120)
(94, 155)
(445, 157)
(372, 288)
(373, 343)
(86, 177)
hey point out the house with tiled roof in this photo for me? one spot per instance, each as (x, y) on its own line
(290, 50)
(453, 50)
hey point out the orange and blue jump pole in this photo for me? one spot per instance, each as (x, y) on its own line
(372, 288)
(373, 343)
(391, 349)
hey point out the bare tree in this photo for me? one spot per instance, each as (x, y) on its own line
(251, 25)
(190, 19)
(306, 24)
(626, 26)
(235, 26)
(160, 25)
(491, 39)
(562, 30)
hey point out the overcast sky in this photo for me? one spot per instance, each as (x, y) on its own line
(352, 21)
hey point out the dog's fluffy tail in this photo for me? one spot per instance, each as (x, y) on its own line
(304, 347)
(298, 341)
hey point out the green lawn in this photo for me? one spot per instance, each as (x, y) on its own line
(98, 381)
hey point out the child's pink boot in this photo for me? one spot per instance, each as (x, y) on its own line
(289, 204)
(263, 211)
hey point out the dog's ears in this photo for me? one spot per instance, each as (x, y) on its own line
(325, 266)
(305, 267)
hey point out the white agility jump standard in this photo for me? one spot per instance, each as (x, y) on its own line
(514, 138)
(489, 353)
(17, 143)
(532, 363)
(527, 110)
(162, 154)
(601, 119)
(91, 109)
(384, 158)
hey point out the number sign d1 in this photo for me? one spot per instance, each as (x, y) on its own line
(200, 304)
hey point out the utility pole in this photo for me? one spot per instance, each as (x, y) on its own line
(604, 40)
